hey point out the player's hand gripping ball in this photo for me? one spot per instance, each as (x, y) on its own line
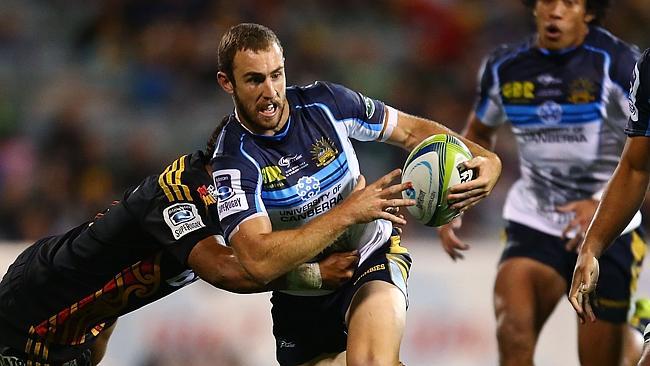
(433, 166)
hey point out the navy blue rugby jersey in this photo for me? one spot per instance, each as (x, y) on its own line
(305, 169)
(568, 110)
(639, 123)
(63, 290)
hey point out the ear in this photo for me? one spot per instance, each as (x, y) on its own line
(225, 83)
(589, 18)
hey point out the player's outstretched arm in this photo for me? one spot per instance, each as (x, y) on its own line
(409, 131)
(622, 198)
(485, 136)
(267, 254)
(218, 265)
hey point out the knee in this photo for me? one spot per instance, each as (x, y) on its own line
(516, 338)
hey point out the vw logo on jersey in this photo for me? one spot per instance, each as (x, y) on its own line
(308, 187)
(550, 112)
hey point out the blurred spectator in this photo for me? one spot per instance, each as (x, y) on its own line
(96, 95)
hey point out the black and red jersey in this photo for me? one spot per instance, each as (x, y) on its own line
(63, 290)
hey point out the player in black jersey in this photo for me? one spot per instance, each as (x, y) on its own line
(622, 198)
(60, 299)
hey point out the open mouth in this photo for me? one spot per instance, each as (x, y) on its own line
(268, 110)
(553, 32)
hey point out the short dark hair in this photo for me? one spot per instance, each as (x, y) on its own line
(597, 8)
(211, 145)
(244, 36)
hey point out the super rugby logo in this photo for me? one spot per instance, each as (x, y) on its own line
(230, 196)
(182, 218)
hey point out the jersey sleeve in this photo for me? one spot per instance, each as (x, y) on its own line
(178, 217)
(238, 183)
(621, 74)
(363, 117)
(639, 100)
(489, 107)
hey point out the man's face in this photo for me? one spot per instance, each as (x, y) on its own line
(259, 89)
(561, 23)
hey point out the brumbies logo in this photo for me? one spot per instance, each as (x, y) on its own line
(323, 151)
(182, 218)
(581, 91)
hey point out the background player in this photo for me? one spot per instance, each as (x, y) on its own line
(563, 91)
(286, 161)
(61, 297)
(623, 196)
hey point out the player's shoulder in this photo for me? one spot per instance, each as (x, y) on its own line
(616, 48)
(509, 51)
(318, 91)
(644, 59)
(182, 176)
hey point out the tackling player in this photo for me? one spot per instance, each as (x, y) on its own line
(61, 297)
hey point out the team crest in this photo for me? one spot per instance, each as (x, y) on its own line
(323, 151)
(581, 91)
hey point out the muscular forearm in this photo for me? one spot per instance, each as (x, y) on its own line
(621, 200)
(417, 129)
(274, 253)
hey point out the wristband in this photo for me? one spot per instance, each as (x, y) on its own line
(305, 277)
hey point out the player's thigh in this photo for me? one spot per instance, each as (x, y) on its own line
(376, 321)
(334, 359)
(601, 343)
(525, 293)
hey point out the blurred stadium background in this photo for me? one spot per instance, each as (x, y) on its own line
(94, 95)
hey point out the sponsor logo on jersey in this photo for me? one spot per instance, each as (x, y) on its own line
(550, 112)
(230, 197)
(208, 194)
(316, 207)
(308, 187)
(370, 106)
(548, 79)
(522, 91)
(272, 177)
(182, 218)
(323, 151)
(287, 160)
(581, 91)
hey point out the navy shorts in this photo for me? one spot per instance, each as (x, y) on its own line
(308, 326)
(620, 265)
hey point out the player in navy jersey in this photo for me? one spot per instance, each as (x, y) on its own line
(283, 166)
(563, 92)
(60, 299)
(622, 198)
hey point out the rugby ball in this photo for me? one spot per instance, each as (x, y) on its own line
(433, 166)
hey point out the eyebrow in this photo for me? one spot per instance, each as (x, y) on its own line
(255, 73)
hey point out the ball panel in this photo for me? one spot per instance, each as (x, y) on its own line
(434, 166)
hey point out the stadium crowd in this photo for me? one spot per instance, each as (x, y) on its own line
(94, 95)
